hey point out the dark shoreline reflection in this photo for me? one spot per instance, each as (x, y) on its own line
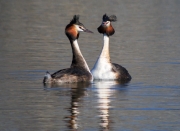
(105, 91)
(77, 90)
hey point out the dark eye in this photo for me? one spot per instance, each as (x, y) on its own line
(107, 22)
(81, 27)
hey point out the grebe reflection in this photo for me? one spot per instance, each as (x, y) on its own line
(77, 91)
(104, 94)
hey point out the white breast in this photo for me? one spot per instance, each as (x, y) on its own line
(103, 69)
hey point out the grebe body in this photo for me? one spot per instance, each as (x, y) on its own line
(103, 68)
(79, 70)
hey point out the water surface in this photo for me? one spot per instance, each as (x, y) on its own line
(146, 42)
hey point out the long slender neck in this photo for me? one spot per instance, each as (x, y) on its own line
(105, 49)
(78, 59)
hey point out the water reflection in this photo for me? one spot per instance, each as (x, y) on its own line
(77, 90)
(105, 92)
(67, 85)
(146, 42)
(76, 94)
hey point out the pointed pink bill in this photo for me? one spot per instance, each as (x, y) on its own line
(88, 31)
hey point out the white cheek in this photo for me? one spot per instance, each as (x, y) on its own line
(78, 29)
(106, 24)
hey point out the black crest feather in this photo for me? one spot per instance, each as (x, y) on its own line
(75, 20)
(111, 18)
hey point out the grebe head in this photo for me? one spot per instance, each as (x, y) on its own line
(106, 27)
(73, 29)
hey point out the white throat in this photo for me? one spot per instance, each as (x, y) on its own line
(105, 49)
(76, 45)
(103, 67)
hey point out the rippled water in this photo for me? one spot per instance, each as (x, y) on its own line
(146, 42)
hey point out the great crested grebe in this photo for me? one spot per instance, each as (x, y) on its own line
(103, 68)
(79, 70)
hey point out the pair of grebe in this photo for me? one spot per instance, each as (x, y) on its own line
(79, 70)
